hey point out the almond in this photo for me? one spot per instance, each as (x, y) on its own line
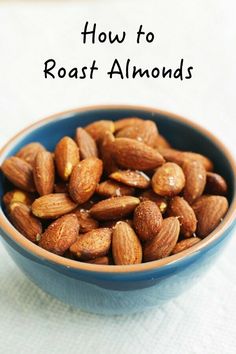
(113, 189)
(24, 221)
(112, 223)
(180, 208)
(144, 131)
(215, 184)
(185, 244)
(60, 235)
(19, 172)
(179, 157)
(86, 222)
(147, 220)
(135, 155)
(16, 195)
(86, 143)
(84, 179)
(131, 178)
(51, 206)
(168, 180)
(66, 157)
(93, 244)
(100, 260)
(105, 147)
(161, 142)
(161, 202)
(98, 128)
(195, 175)
(164, 242)
(126, 247)
(114, 208)
(44, 172)
(126, 122)
(29, 152)
(210, 212)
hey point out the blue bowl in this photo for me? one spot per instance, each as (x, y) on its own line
(120, 289)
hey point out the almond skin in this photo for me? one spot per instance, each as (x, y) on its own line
(185, 244)
(209, 212)
(126, 247)
(44, 172)
(126, 122)
(133, 154)
(16, 195)
(60, 235)
(136, 179)
(144, 131)
(114, 208)
(147, 220)
(215, 184)
(161, 142)
(98, 128)
(161, 202)
(84, 179)
(113, 189)
(86, 143)
(51, 206)
(164, 242)
(179, 157)
(86, 222)
(195, 175)
(168, 180)
(29, 152)
(93, 244)
(66, 157)
(180, 208)
(105, 148)
(24, 221)
(19, 172)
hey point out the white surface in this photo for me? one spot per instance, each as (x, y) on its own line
(203, 320)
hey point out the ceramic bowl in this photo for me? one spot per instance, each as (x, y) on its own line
(120, 289)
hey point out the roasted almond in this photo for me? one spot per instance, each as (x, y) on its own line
(215, 184)
(19, 172)
(105, 148)
(111, 188)
(126, 122)
(98, 128)
(163, 243)
(144, 131)
(147, 220)
(29, 152)
(185, 244)
(60, 235)
(195, 176)
(51, 206)
(86, 222)
(161, 202)
(112, 223)
(24, 221)
(209, 212)
(136, 179)
(114, 208)
(84, 179)
(135, 155)
(180, 208)
(86, 143)
(93, 244)
(161, 142)
(44, 172)
(66, 157)
(126, 247)
(100, 260)
(16, 195)
(168, 180)
(179, 157)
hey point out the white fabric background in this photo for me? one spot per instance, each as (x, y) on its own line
(203, 320)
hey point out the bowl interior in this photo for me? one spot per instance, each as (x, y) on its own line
(180, 133)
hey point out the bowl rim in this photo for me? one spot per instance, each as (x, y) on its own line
(39, 252)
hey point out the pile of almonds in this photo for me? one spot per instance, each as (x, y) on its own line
(117, 193)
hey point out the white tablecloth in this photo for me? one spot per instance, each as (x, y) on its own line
(203, 320)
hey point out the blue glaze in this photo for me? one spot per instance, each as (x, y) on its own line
(119, 293)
